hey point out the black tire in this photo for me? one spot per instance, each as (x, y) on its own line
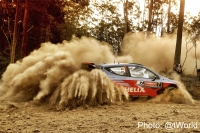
(132, 98)
(169, 89)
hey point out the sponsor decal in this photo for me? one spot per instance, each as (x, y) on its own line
(135, 89)
(140, 82)
(159, 84)
(150, 83)
(124, 84)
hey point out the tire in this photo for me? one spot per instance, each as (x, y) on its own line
(132, 98)
(169, 89)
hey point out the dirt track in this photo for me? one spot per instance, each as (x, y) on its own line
(127, 117)
(29, 117)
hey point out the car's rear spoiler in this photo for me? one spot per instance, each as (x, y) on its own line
(88, 66)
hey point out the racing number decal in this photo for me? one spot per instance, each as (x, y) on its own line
(159, 84)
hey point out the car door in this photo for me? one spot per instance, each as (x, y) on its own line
(144, 82)
(119, 74)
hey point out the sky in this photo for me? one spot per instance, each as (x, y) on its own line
(192, 6)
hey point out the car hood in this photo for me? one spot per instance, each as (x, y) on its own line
(164, 79)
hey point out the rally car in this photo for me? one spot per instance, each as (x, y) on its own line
(137, 79)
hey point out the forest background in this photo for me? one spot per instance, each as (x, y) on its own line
(25, 24)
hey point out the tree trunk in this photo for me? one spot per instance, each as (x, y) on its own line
(126, 17)
(179, 33)
(25, 32)
(168, 20)
(14, 41)
(150, 15)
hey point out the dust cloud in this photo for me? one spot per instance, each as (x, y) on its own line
(158, 54)
(52, 74)
(90, 88)
(175, 95)
(44, 75)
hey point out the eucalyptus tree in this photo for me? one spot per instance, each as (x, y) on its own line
(76, 14)
(40, 23)
(99, 19)
(7, 15)
(111, 26)
(192, 30)
(172, 17)
(25, 29)
(150, 7)
(161, 18)
(177, 56)
(8, 26)
(135, 15)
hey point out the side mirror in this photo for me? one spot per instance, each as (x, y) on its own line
(154, 78)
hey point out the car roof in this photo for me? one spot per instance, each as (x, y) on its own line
(119, 64)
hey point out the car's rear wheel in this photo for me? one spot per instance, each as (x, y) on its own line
(169, 89)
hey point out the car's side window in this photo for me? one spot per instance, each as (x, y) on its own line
(140, 72)
(151, 75)
(118, 70)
